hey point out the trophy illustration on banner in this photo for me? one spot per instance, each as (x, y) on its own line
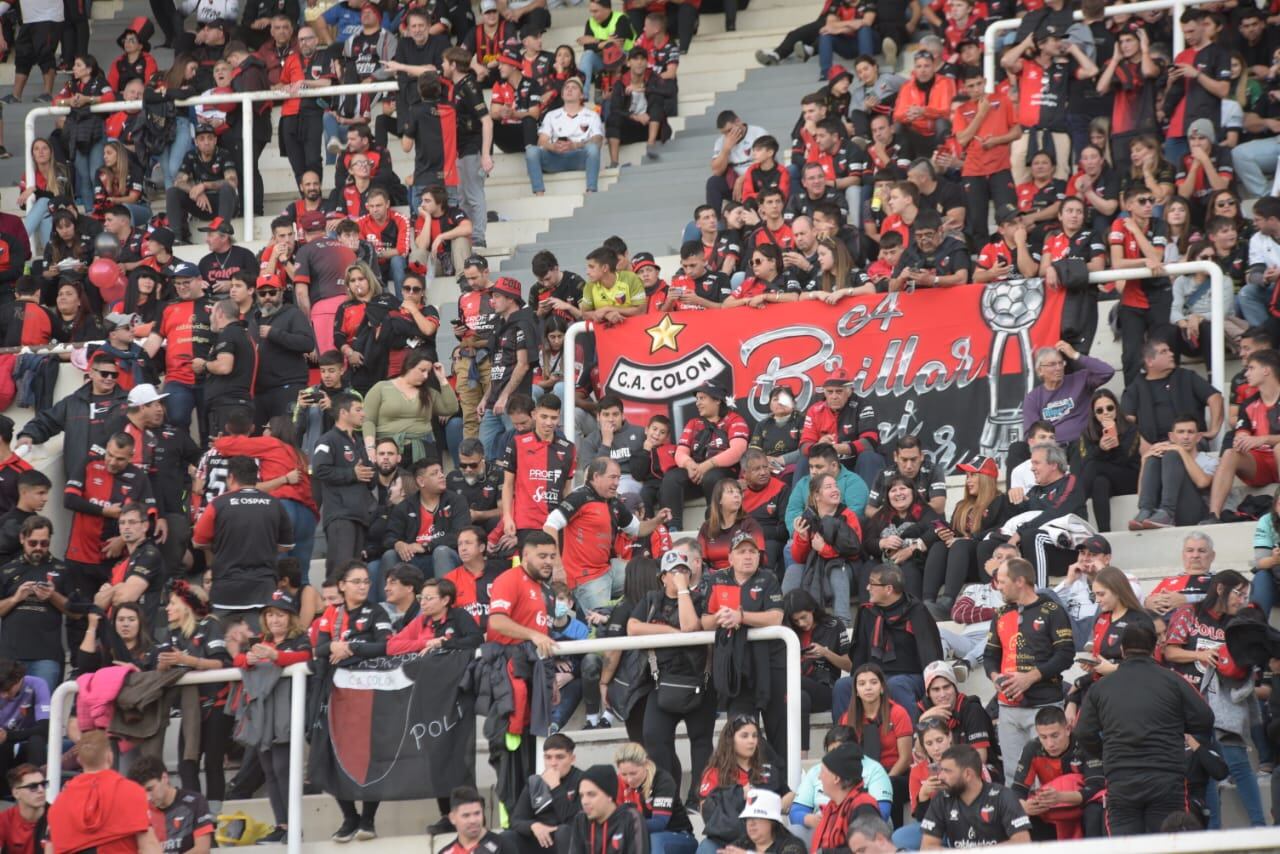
(1010, 308)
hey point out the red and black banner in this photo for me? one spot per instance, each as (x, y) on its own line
(923, 359)
(396, 728)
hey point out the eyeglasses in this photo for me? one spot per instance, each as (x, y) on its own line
(1102, 409)
(41, 543)
(355, 163)
(878, 584)
(1225, 203)
(359, 582)
(1146, 200)
(31, 787)
(1240, 593)
(756, 262)
(409, 290)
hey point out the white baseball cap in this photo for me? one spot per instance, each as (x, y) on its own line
(144, 393)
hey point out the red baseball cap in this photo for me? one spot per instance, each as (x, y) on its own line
(270, 282)
(981, 465)
(509, 287)
(311, 220)
(837, 379)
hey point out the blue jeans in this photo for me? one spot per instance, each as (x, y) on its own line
(840, 578)
(1251, 302)
(453, 436)
(590, 64)
(1237, 759)
(87, 164)
(333, 130)
(841, 697)
(492, 429)
(47, 669)
(539, 160)
(140, 214)
(863, 41)
(667, 842)
(907, 689)
(399, 268)
(1176, 148)
(598, 592)
(183, 400)
(38, 221)
(1262, 592)
(171, 157)
(1254, 161)
(304, 533)
(909, 837)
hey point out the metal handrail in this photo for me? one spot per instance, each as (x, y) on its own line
(246, 141)
(995, 28)
(297, 673)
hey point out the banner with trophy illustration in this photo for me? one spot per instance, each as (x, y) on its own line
(923, 359)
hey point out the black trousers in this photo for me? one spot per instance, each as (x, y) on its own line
(301, 136)
(259, 145)
(368, 811)
(180, 209)
(1137, 325)
(1167, 486)
(774, 713)
(86, 579)
(951, 568)
(166, 16)
(979, 193)
(676, 482)
(719, 191)
(682, 19)
(803, 35)
(660, 737)
(75, 32)
(345, 541)
(220, 409)
(34, 750)
(1140, 802)
(1103, 479)
(514, 138)
(268, 403)
(815, 696)
(215, 736)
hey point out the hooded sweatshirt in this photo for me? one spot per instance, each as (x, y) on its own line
(621, 833)
(99, 810)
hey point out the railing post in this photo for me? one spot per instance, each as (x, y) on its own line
(297, 744)
(1179, 40)
(570, 362)
(57, 729)
(248, 167)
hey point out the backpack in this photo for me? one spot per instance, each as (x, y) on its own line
(158, 125)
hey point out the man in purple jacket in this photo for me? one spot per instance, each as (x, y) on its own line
(1062, 398)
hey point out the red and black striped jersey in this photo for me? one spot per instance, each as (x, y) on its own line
(88, 493)
(543, 472)
(391, 234)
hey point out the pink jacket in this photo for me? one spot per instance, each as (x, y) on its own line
(97, 701)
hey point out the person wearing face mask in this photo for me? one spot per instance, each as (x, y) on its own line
(284, 338)
(779, 435)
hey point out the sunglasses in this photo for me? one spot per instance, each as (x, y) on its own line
(469, 466)
(111, 374)
(756, 262)
(414, 290)
(1224, 203)
(268, 292)
(41, 543)
(1101, 409)
(31, 787)
(1146, 200)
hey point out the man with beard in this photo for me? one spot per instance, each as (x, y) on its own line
(139, 575)
(301, 119)
(310, 198)
(479, 485)
(909, 462)
(284, 337)
(764, 498)
(969, 812)
(34, 590)
(466, 814)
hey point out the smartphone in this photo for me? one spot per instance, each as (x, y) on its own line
(940, 526)
(934, 768)
(1086, 658)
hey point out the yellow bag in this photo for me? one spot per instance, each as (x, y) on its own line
(239, 828)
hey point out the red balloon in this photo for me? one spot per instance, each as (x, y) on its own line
(114, 292)
(103, 272)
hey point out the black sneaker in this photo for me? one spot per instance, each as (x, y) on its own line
(366, 831)
(441, 826)
(276, 837)
(347, 832)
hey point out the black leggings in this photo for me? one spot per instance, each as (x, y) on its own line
(815, 696)
(774, 715)
(1103, 479)
(275, 768)
(215, 735)
(366, 815)
(660, 737)
(676, 482)
(951, 568)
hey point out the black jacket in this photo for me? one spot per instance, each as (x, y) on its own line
(404, 524)
(901, 638)
(1136, 718)
(333, 465)
(282, 355)
(540, 803)
(82, 422)
(1063, 497)
(624, 832)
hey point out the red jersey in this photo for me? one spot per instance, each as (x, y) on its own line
(979, 161)
(895, 724)
(185, 328)
(589, 525)
(893, 222)
(475, 594)
(275, 459)
(17, 835)
(96, 488)
(392, 234)
(526, 601)
(705, 440)
(543, 473)
(1135, 291)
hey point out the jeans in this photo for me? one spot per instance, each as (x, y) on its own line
(47, 669)
(909, 838)
(38, 221)
(668, 842)
(1254, 161)
(599, 592)
(1167, 486)
(840, 578)
(140, 214)
(453, 437)
(304, 533)
(846, 46)
(590, 64)
(87, 164)
(492, 428)
(183, 400)
(539, 160)
(441, 561)
(907, 689)
(1252, 304)
(1262, 591)
(171, 157)
(332, 131)
(397, 269)
(1176, 148)
(471, 194)
(1237, 759)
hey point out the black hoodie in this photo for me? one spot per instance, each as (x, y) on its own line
(624, 832)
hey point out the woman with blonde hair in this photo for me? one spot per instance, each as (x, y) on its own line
(364, 325)
(52, 183)
(984, 508)
(833, 280)
(654, 794)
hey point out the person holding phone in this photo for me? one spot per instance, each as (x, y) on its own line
(933, 738)
(1108, 455)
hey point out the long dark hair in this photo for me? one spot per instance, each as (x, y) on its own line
(725, 759)
(887, 513)
(144, 625)
(802, 600)
(858, 714)
(641, 577)
(412, 359)
(281, 427)
(133, 298)
(82, 313)
(1092, 427)
(63, 249)
(1220, 587)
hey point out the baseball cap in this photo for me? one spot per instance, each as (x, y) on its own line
(509, 287)
(838, 379)
(640, 260)
(837, 72)
(120, 319)
(744, 537)
(476, 261)
(205, 129)
(1097, 544)
(710, 389)
(163, 236)
(282, 601)
(218, 224)
(311, 220)
(673, 560)
(508, 59)
(144, 393)
(981, 465)
(183, 270)
(940, 668)
(488, 6)
(1006, 213)
(270, 282)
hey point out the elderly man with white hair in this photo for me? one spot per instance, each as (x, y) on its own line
(1057, 493)
(1193, 584)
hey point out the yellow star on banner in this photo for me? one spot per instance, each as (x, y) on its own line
(664, 334)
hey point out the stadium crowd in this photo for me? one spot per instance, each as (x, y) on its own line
(238, 412)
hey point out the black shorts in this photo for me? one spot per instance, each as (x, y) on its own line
(37, 44)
